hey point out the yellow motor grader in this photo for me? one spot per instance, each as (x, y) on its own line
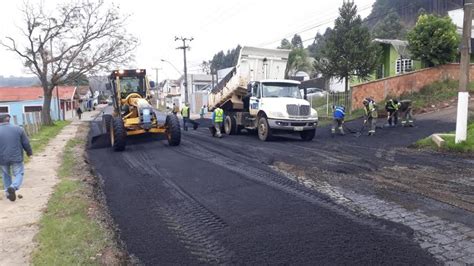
(133, 113)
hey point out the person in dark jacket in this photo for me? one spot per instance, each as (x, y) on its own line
(13, 141)
(79, 112)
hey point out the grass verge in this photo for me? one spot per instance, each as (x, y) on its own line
(39, 140)
(450, 145)
(68, 234)
(434, 94)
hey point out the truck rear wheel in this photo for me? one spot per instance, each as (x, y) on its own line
(107, 122)
(230, 125)
(173, 131)
(264, 130)
(308, 135)
(118, 134)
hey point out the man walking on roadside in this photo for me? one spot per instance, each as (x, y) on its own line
(13, 141)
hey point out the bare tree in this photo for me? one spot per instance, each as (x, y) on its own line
(81, 37)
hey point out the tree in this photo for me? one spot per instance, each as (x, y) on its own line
(298, 60)
(296, 42)
(206, 67)
(389, 28)
(349, 50)
(75, 79)
(434, 40)
(81, 37)
(285, 44)
(223, 60)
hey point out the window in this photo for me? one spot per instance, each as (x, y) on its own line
(403, 65)
(4, 110)
(31, 109)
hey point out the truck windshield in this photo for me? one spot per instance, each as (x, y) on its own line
(281, 90)
(131, 84)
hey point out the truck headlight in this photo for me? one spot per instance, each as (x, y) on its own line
(314, 114)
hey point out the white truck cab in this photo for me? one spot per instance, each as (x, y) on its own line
(254, 96)
(279, 106)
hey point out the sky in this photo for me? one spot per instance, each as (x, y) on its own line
(215, 25)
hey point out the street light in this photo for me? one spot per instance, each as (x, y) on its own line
(175, 68)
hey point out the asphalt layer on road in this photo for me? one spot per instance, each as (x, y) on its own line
(217, 201)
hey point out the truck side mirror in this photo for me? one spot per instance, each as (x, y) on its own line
(152, 84)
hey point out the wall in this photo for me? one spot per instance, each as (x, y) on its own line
(405, 83)
(16, 108)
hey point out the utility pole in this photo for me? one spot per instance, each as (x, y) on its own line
(463, 95)
(184, 48)
(157, 88)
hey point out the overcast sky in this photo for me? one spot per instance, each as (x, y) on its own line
(214, 24)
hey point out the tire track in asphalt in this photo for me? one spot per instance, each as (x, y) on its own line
(268, 177)
(192, 223)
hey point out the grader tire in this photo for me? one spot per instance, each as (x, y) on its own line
(173, 130)
(118, 134)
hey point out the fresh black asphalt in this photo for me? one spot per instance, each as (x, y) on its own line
(216, 201)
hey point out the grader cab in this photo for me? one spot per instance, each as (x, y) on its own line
(133, 113)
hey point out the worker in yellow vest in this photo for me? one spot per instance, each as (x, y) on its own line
(185, 113)
(218, 119)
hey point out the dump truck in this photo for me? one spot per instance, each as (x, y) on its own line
(133, 113)
(255, 96)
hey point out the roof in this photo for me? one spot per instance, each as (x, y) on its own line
(17, 94)
(400, 46)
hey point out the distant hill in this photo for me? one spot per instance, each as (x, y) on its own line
(408, 10)
(18, 81)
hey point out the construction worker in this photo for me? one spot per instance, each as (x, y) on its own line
(218, 119)
(370, 114)
(185, 113)
(406, 113)
(391, 106)
(338, 120)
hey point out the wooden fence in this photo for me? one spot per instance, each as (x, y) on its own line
(31, 122)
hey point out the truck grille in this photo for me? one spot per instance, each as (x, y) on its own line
(298, 110)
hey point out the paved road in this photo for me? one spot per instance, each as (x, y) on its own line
(217, 201)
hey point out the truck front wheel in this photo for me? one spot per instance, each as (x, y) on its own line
(264, 131)
(230, 125)
(308, 135)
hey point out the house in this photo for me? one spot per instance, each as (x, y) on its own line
(396, 59)
(457, 16)
(197, 84)
(169, 93)
(18, 101)
(88, 98)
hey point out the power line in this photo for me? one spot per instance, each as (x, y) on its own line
(376, 17)
(319, 24)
